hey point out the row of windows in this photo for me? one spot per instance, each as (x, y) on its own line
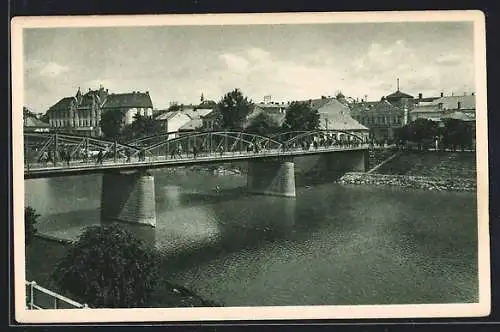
(79, 123)
(379, 120)
(67, 114)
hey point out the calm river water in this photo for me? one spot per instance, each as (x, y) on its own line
(332, 244)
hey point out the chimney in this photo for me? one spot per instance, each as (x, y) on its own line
(442, 94)
(420, 96)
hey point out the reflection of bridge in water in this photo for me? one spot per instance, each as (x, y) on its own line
(128, 189)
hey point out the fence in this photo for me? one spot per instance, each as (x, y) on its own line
(39, 298)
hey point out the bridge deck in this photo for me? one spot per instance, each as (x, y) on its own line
(40, 170)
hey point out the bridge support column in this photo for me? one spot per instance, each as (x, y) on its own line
(129, 197)
(346, 161)
(271, 177)
(360, 161)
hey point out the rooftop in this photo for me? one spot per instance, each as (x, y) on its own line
(398, 95)
(133, 99)
(338, 117)
(31, 121)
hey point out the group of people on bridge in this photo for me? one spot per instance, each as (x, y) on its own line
(67, 153)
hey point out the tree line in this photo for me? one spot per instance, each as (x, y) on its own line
(231, 113)
(452, 134)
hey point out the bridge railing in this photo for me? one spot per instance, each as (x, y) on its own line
(39, 298)
(197, 145)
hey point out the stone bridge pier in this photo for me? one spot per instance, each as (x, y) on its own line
(129, 197)
(271, 177)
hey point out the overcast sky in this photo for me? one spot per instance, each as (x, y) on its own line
(288, 62)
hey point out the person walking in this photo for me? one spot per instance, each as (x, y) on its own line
(127, 155)
(44, 158)
(99, 157)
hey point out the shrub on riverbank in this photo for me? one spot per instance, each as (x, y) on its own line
(108, 268)
(46, 252)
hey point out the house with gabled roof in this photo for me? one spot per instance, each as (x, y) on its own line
(79, 114)
(382, 118)
(443, 106)
(82, 113)
(130, 104)
(336, 115)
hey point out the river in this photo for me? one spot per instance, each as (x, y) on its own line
(332, 244)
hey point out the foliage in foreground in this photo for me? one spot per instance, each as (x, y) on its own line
(108, 267)
(30, 221)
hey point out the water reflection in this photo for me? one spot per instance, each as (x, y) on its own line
(330, 245)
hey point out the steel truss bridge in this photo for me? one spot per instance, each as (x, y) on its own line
(49, 154)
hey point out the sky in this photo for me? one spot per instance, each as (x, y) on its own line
(289, 62)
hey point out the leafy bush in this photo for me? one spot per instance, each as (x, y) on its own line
(108, 268)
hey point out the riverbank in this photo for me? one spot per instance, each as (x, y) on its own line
(410, 181)
(433, 171)
(165, 295)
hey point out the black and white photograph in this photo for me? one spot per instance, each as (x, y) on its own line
(250, 166)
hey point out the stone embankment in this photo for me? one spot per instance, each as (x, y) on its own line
(410, 181)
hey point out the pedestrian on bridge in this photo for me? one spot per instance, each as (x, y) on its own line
(142, 155)
(195, 151)
(50, 157)
(99, 157)
(172, 153)
(128, 155)
(179, 151)
(67, 157)
(44, 158)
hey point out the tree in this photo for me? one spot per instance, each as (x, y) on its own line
(44, 117)
(420, 130)
(234, 108)
(108, 268)
(142, 126)
(262, 124)
(27, 113)
(301, 117)
(456, 133)
(30, 221)
(401, 134)
(112, 123)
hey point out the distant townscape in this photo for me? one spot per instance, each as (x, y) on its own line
(86, 113)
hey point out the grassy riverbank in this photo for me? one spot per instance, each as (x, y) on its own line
(434, 171)
(431, 163)
(42, 255)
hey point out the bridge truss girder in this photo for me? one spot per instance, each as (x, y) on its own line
(211, 142)
(74, 146)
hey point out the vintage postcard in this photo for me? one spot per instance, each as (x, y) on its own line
(250, 167)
